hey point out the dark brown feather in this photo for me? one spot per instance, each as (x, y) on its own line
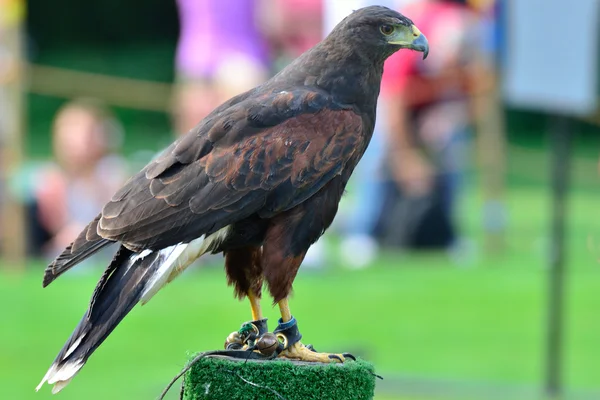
(230, 168)
(244, 270)
(291, 233)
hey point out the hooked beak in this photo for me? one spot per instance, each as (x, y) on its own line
(419, 42)
(411, 38)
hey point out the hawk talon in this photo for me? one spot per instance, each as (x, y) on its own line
(234, 341)
(233, 346)
(290, 346)
(300, 352)
(350, 356)
(247, 335)
(335, 357)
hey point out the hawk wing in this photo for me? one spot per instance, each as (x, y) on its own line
(261, 155)
(264, 154)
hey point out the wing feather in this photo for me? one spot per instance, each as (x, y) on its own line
(262, 155)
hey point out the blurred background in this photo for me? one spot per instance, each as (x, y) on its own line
(464, 260)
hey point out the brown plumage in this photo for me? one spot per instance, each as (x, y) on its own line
(259, 179)
(244, 270)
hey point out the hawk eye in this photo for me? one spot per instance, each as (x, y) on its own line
(387, 30)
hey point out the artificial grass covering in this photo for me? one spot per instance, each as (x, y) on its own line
(217, 378)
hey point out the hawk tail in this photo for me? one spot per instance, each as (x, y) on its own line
(87, 243)
(127, 280)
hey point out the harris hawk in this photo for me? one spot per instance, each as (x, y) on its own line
(259, 180)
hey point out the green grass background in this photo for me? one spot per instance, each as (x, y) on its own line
(423, 316)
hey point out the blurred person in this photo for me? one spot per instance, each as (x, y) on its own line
(73, 190)
(429, 115)
(220, 53)
(291, 27)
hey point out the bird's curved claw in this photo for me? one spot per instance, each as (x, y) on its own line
(234, 341)
(246, 337)
(291, 348)
(300, 352)
(284, 342)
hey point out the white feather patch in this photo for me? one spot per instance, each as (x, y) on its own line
(169, 255)
(66, 372)
(178, 258)
(50, 372)
(73, 347)
(143, 254)
(60, 377)
(58, 386)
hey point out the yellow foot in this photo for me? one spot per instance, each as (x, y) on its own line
(298, 351)
(245, 337)
(235, 341)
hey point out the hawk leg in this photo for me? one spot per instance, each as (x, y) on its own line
(289, 337)
(255, 305)
(244, 271)
(249, 332)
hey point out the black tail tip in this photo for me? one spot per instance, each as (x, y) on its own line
(48, 277)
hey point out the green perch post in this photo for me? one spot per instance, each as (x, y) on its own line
(224, 378)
